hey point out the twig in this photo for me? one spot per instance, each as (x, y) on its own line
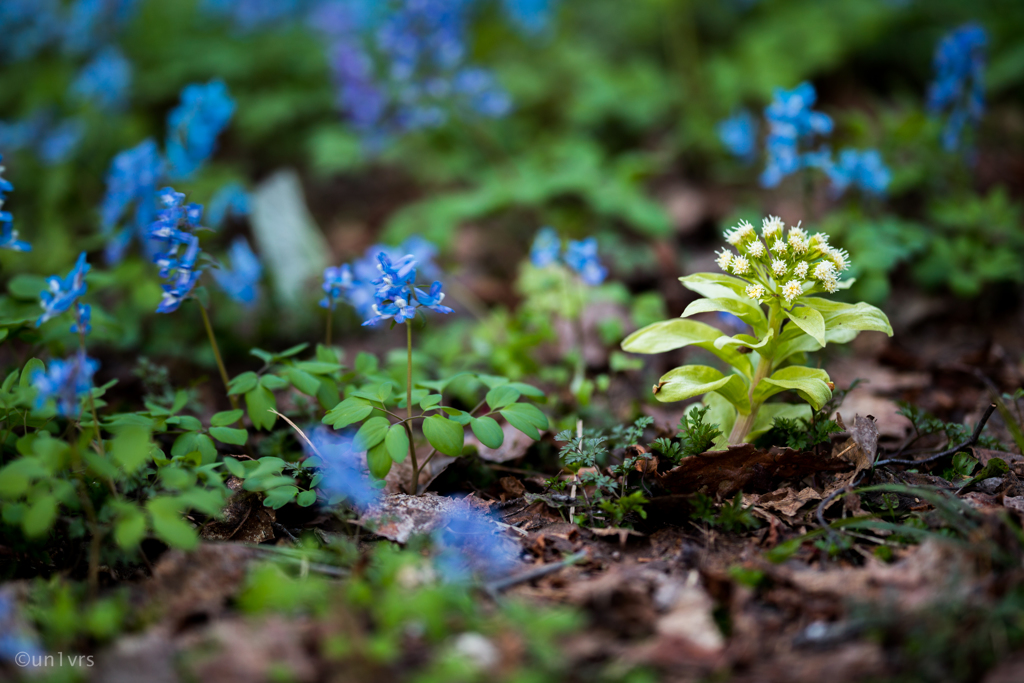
(819, 514)
(536, 573)
(967, 443)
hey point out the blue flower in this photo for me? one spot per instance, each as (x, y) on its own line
(83, 319)
(231, 200)
(131, 181)
(470, 543)
(959, 81)
(180, 248)
(791, 124)
(67, 382)
(739, 135)
(582, 257)
(433, 299)
(105, 81)
(240, 283)
(63, 293)
(60, 142)
(533, 16)
(14, 638)
(193, 126)
(343, 468)
(8, 235)
(337, 282)
(546, 247)
(860, 168)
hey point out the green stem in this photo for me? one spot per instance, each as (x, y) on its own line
(216, 354)
(327, 337)
(90, 515)
(744, 423)
(414, 489)
(580, 370)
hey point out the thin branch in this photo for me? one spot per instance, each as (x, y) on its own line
(966, 443)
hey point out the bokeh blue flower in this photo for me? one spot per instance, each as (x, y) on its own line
(470, 544)
(131, 184)
(62, 293)
(241, 281)
(579, 256)
(230, 201)
(105, 81)
(792, 126)
(66, 382)
(959, 89)
(739, 135)
(193, 126)
(863, 169)
(343, 467)
(8, 235)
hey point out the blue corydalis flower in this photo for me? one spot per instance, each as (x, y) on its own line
(8, 235)
(193, 126)
(396, 296)
(66, 382)
(63, 292)
(337, 282)
(240, 282)
(470, 543)
(105, 81)
(433, 299)
(343, 467)
(230, 201)
(791, 123)
(83, 319)
(177, 262)
(547, 246)
(131, 182)
(959, 87)
(739, 135)
(579, 256)
(859, 168)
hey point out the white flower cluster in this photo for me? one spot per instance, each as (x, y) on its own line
(782, 263)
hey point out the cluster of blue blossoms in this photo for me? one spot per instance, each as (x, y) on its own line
(382, 285)
(174, 230)
(193, 126)
(8, 235)
(792, 129)
(959, 81)
(63, 293)
(580, 256)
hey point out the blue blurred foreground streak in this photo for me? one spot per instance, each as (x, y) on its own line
(470, 544)
(345, 477)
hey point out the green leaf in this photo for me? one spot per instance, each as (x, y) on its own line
(852, 317)
(366, 363)
(501, 396)
(131, 448)
(526, 389)
(306, 498)
(378, 461)
(488, 431)
(260, 401)
(746, 340)
(293, 351)
(31, 367)
(317, 367)
(188, 422)
(27, 287)
(769, 412)
(130, 529)
(40, 516)
(810, 321)
(273, 382)
(384, 391)
(225, 418)
(429, 401)
(444, 435)
(168, 525)
(303, 381)
(668, 335)
(527, 418)
(716, 286)
(278, 497)
(688, 381)
(371, 433)
(351, 410)
(746, 310)
(229, 435)
(235, 467)
(247, 381)
(810, 383)
(397, 442)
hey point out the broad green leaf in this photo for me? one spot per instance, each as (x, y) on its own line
(810, 383)
(384, 391)
(429, 401)
(444, 435)
(318, 367)
(397, 442)
(366, 363)
(688, 381)
(230, 435)
(746, 340)
(130, 529)
(527, 418)
(856, 317)
(277, 498)
(188, 422)
(40, 516)
(130, 448)
(168, 524)
(328, 394)
(247, 381)
(273, 382)
(769, 412)
(810, 321)
(33, 366)
(352, 409)
(260, 401)
(501, 396)
(526, 389)
(371, 433)
(303, 381)
(748, 311)
(378, 461)
(225, 418)
(306, 498)
(207, 501)
(15, 477)
(27, 286)
(235, 467)
(488, 431)
(679, 332)
(294, 350)
(716, 286)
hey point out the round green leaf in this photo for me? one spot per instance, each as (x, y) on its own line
(527, 418)
(306, 498)
(397, 442)
(247, 381)
(229, 435)
(349, 411)
(225, 418)
(40, 516)
(378, 461)
(444, 435)
(303, 381)
(488, 431)
(501, 396)
(371, 433)
(260, 401)
(130, 530)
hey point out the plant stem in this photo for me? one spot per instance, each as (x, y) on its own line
(90, 514)
(744, 423)
(216, 354)
(327, 337)
(92, 402)
(414, 489)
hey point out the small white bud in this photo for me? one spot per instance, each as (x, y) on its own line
(779, 267)
(740, 265)
(792, 290)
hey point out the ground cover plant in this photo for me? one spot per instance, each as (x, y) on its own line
(357, 340)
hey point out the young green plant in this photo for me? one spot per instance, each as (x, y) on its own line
(771, 283)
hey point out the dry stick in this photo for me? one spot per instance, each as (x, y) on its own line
(537, 573)
(966, 443)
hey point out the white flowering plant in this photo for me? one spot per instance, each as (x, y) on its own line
(772, 282)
